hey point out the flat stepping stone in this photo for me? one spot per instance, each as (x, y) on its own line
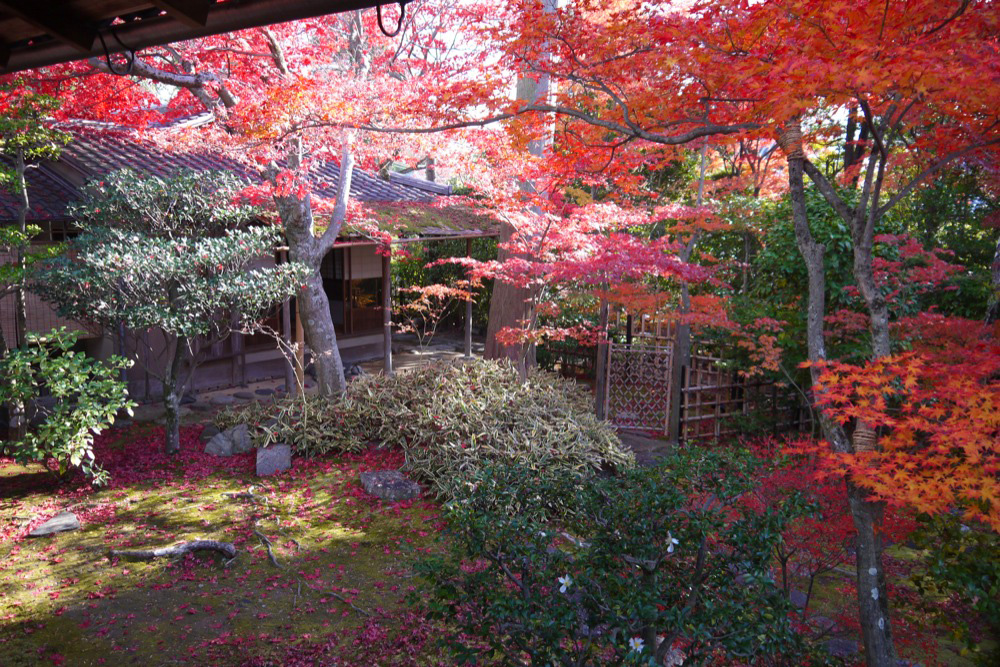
(201, 407)
(60, 523)
(243, 395)
(263, 392)
(187, 399)
(389, 485)
(223, 399)
(274, 459)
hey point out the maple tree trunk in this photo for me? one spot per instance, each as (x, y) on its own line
(873, 608)
(993, 311)
(314, 309)
(303, 246)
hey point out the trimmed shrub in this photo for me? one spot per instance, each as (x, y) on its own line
(450, 420)
(657, 565)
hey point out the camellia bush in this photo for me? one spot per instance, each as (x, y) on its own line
(658, 565)
(450, 420)
(86, 394)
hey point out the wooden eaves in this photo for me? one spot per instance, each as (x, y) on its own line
(35, 33)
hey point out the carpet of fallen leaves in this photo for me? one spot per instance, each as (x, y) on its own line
(336, 595)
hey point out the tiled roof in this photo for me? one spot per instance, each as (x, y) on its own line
(48, 195)
(95, 151)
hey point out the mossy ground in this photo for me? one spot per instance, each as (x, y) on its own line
(63, 601)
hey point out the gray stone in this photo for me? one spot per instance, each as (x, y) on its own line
(274, 459)
(797, 598)
(264, 392)
(201, 407)
(209, 432)
(222, 399)
(220, 445)
(187, 399)
(841, 648)
(59, 523)
(235, 440)
(389, 485)
(354, 371)
(243, 395)
(239, 436)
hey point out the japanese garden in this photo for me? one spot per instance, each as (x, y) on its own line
(541, 333)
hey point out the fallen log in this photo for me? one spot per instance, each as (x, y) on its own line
(176, 551)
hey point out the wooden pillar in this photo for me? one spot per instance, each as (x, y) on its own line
(468, 310)
(601, 389)
(387, 313)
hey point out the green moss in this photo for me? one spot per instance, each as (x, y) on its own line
(62, 596)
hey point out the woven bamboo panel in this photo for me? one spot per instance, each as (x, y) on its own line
(638, 386)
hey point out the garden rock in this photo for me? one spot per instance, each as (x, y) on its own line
(389, 485)
(841, 648)
(274, 459)
(264, 392)
(209, 432)
(354, 371)
(235, 440)
(58, 524)
(244, 395)
(222, 399)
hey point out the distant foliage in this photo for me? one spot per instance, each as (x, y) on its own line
(450, 420)
(85, 396)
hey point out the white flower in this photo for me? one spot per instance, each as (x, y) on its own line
(671, 541)
(566, 582)
(636, 644)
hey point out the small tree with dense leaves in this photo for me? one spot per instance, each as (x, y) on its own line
(169, 254)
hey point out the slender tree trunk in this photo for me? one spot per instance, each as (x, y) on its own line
(17, 410)
(172, 387)
(993, 311)
(20, 296)
(682, 341)
(873, 606)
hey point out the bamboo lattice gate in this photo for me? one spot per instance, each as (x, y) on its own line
(637, 394)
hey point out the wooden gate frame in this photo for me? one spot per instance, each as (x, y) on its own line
(665, 350)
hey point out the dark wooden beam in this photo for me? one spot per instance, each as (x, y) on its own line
(62, 24)
(193, 13)
(222, 17)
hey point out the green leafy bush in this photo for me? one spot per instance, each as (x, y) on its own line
(961, 562)
(450, 420)
(656, 564)
(86, 394)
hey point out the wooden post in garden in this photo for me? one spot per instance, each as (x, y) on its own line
(468, 309)
(387, 313)
(601, 384)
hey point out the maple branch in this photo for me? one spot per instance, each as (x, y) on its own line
(958, 12)
(708, 129)
(828, 191)
(930, 170)
(277, 53)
